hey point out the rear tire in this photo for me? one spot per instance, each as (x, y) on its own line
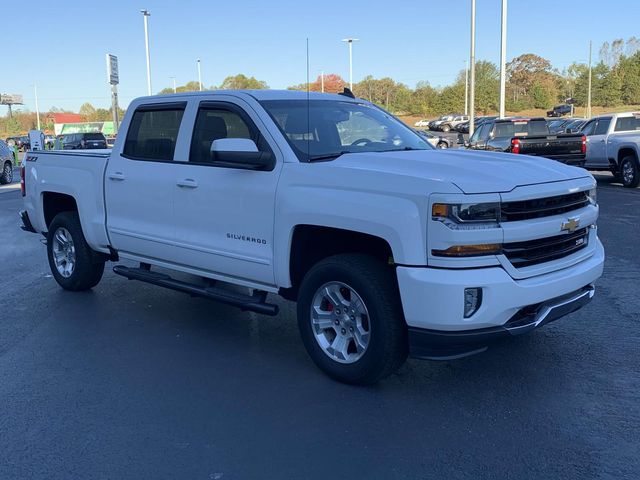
(6, 176)
(360, 295)
(74, 265)
(446, 128)
(442, 145)
(629, 172)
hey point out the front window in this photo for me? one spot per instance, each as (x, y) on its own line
(325, 129)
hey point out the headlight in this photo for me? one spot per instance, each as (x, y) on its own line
(593, 196)
(467, 215)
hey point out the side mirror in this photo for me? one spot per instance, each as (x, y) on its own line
(239, 153)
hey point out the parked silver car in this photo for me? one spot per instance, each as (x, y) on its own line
(6, 163)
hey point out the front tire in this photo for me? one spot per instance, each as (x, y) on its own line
(442, 145)
(6, 176)
(351, 320)
(446, 128)
(74, 265)
(629, 172)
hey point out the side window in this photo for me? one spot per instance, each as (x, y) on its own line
(483, 136)
(589, 127)
(475, 136)
(603, 126)
(214, 123)
(627, 124)
(153, 133)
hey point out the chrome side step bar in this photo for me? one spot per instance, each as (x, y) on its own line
(254, 303)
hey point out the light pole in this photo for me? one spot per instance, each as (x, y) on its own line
(589, 85)
(466, 87)
(174, 84)
(472, 61)
(35, 91)
(350, 42)
(503, 59)
(199, 75)
(145, 13)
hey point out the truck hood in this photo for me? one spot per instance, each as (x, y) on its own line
(470, 171)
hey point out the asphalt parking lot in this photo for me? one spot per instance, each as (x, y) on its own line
(133, 381)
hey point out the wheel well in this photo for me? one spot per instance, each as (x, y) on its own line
(625, 152)
(312, 243)
(55, 203)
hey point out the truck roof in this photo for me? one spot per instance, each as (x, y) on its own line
(618, 114)
(257, 94)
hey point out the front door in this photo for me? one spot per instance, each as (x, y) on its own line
(224, 216)
(139, 183)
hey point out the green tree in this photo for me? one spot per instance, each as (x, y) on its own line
(88, 112)
(242, 82)
(630, 79)
(192, 86)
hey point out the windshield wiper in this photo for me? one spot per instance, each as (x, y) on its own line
(404, 149)
(328, 156)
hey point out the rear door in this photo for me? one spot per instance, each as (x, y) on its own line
(224, 216)
(139, 182)
(596, 143)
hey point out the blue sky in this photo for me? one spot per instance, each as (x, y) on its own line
(62, 45)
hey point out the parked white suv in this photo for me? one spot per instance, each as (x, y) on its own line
(449, 125)
(389, 246)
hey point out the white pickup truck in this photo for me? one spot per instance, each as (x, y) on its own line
(389, 247)
(613, 143)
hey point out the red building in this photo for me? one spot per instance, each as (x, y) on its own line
(65, 117)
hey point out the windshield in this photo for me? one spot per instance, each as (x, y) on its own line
(325, 129)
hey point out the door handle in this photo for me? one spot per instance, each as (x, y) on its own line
(118, 176)
(187, 183)
(602, 141)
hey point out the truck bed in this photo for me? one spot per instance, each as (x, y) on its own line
(78, 173)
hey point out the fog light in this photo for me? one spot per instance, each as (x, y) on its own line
(472, 301)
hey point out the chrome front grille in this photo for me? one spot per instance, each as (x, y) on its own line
(543, 207)
(533, 252)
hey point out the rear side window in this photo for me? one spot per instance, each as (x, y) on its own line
(627, 124)
(603, 126)
(153, 133)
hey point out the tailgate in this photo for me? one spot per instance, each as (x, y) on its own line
(551, 145)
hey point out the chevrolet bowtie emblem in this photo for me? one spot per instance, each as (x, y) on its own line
(571, 224)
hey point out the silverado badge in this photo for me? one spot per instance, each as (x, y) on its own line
(571, 224)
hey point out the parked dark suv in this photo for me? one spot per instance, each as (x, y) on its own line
(559, 111)
(22, 142)
(75, 141)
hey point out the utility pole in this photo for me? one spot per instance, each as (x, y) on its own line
(175, 90)
(472, 61)
(466, 87)
(199, 75)
(145, 13)
(503, 59)
(350, 42)
(35, 91)
(589, 85)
